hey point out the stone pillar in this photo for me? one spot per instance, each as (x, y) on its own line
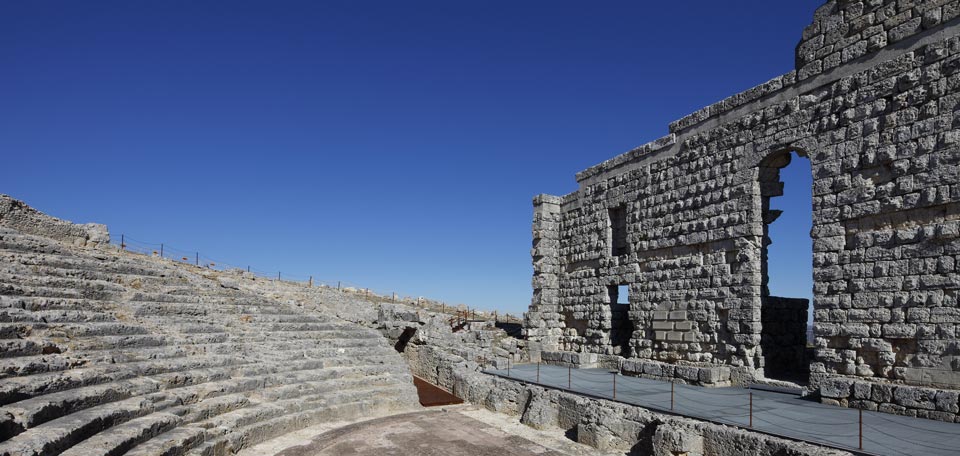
(543, 323)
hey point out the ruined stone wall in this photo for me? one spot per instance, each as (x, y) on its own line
(25, 219)
(873, 105)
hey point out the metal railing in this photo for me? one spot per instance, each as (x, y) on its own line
(849, 429)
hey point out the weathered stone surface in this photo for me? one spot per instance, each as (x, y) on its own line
(109, 352)
(682, 221)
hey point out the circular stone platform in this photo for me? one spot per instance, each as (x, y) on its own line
(434, 432)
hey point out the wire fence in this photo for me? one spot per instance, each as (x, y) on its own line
(194, 258)
(771, 413)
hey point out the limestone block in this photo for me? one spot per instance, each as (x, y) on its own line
(683, 325)
(670, 440)
(663, 325)
(836, 388)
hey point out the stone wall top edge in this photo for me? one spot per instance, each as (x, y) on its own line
(734, 101)
(629, 156)
(545, 198)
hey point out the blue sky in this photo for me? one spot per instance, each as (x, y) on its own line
(395, 145)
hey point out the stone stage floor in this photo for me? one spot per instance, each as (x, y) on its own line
(453, 431)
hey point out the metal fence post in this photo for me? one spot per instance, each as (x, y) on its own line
(161, 250)
(672, 385)
(198, 259)
(569, 381)
(310, 283)
(123, 244)
(338, 285)
(508, 367)
(751, 409)
(538, 371)
(614, 385)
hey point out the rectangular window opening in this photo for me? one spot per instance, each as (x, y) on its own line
(618, 294)
(618, 230)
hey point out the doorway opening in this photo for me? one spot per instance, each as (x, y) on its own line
(621, 328)
(786, 313)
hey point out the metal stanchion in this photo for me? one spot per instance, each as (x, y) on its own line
(614, 385)
(672, 384)
(538, 371)
(508, 367)
(751, 409)
(569, 382)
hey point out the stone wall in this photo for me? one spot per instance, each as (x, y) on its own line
(932, 403)
(874, 106)
(25, 219)
(606, 425)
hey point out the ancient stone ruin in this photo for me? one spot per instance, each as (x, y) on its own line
(681, 223)
(654, 267)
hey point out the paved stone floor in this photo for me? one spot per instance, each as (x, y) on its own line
(780, 414)
(427, 433)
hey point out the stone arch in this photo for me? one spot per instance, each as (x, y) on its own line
(783, 320)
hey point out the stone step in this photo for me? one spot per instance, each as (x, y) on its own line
(84, 271)
(33, 282)
(59, 434)
(52, 436)
(99, 262)
(121, 438)
(43, 303)
(20, 330)
(256, 424)
(21, 388)
(54, 316)
(28, 413)
(9, 289)
(175, 442)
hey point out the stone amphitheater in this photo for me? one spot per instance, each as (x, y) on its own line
(109, 352)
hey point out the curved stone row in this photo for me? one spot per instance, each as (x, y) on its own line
(105, 352)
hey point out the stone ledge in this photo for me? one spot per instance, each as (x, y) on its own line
(715, 376)
(907, 400)
(570, 359)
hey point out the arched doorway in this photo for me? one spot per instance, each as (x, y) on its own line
(786, 314)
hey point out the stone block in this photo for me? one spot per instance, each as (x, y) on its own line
(678, 315)
(836, 388)
(663, 325)
(660, 314)
(714, 374)
(682, 325)
(691, 373)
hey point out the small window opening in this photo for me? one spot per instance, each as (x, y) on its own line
(618, 231)
(621, 328)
